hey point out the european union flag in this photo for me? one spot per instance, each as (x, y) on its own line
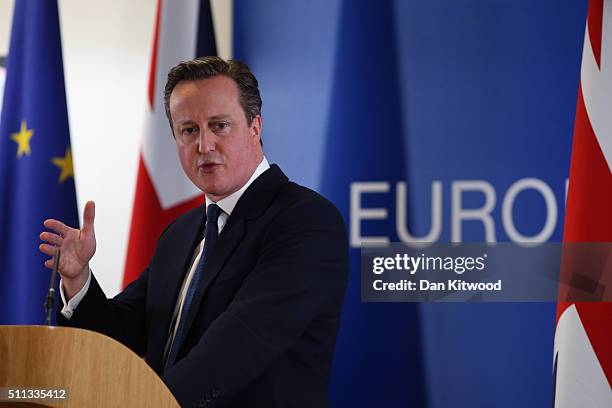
(36, 178)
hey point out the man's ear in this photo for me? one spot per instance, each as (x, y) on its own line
(256, 129)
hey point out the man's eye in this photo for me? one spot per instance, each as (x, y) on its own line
(222, 125)
(189, 131)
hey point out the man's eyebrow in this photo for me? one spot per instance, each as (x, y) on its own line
(219, 117)
(183, 122)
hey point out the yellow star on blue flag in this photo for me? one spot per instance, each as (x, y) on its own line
(65, 165)
(22, 138)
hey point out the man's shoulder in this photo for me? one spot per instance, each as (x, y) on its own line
(189, 220)
(290, 192)
(293, 193)
(302, 203)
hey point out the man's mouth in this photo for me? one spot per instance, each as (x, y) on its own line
(208, 167)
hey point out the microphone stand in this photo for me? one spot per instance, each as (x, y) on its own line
(50, 300)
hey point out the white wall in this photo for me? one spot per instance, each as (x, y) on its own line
(6, 11)
(107, 51)
(107, 48)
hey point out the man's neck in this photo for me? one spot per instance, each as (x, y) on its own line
(228, 203)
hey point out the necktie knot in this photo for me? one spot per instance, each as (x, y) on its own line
(212, 213)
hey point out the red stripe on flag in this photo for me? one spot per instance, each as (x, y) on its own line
(154, 57)
(589, 200)
(148, 222)
(594, 21)
(589, 219)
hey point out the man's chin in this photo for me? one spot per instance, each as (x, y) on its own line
(212, 191)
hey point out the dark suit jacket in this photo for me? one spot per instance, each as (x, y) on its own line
(263, 323)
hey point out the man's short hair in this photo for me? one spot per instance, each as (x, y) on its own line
(208, 67)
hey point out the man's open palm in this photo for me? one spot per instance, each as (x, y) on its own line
(77, 246)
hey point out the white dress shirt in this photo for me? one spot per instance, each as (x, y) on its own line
(226, 205)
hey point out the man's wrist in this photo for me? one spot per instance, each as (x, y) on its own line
(73, 286)
(71, 304)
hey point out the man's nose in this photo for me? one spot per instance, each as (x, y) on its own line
(206, 141)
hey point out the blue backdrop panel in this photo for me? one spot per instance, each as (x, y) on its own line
(378, 350)
(490, 90)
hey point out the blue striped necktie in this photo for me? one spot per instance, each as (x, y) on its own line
(210, 239)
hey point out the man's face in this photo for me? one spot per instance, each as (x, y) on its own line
(217, 148)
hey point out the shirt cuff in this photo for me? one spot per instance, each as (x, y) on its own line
(72, 304)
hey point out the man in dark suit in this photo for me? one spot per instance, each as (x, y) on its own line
(240, 303)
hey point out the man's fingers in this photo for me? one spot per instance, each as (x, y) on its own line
(56, 226)
(89, 213)
(47, 249)
(51, 238)
(49, 263)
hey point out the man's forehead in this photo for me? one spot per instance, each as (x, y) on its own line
(213, 97)
(217, 85)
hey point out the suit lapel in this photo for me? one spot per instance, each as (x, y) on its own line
(251, 205)
(184, 246)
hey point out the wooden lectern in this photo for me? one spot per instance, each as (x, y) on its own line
(96, 370)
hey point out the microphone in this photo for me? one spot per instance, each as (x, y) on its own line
(50, 300)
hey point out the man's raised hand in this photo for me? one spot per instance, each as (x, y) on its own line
(77, 247)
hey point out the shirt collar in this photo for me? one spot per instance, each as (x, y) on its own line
(228, 203)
